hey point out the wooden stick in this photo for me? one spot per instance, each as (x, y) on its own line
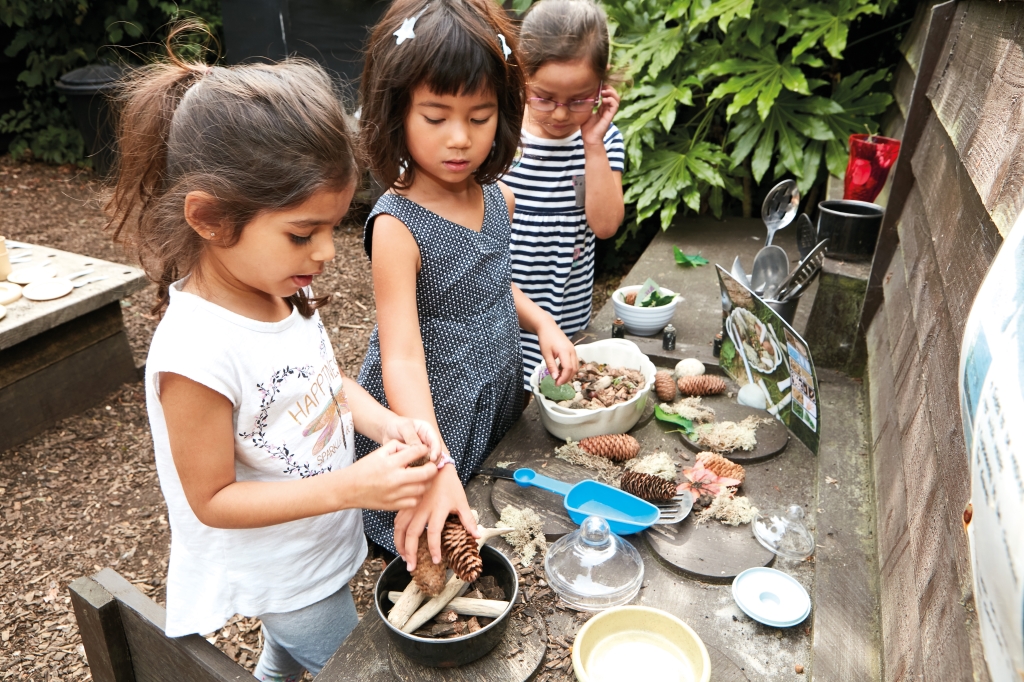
(406, 605)
(451, 590)
(464, 606)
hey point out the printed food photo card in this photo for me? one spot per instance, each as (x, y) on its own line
(760, 348)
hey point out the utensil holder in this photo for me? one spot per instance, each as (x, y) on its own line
(785, 309)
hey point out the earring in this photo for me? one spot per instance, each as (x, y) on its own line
(213, 234)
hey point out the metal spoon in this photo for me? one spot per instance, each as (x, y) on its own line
(771, 266)
(780, 207)
(739, 273)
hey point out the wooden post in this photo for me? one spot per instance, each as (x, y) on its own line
(99, 623)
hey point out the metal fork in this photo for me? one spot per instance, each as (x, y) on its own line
(674, 510)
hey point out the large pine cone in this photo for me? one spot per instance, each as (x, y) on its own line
(721, 466)
(427, 575)
(665, 386)
(617, 448)
(459, 550)
(702, 384)
(648, 487)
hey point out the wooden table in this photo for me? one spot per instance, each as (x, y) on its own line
(59, 357)
(840, 639)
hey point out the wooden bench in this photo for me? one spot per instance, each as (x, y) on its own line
(60, 357)
(123, 635)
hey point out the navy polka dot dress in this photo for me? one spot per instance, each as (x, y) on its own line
(470, 334)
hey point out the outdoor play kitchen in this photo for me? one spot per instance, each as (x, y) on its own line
(758, 471)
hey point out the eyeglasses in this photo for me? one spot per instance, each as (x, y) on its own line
(577, 106)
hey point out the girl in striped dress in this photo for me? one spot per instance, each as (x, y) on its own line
(568, 183)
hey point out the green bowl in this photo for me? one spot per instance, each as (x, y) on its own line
(638, 642)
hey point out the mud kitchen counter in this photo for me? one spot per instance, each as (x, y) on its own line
(688, 569)
(59, 357)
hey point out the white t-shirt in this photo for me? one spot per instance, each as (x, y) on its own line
(291, 420)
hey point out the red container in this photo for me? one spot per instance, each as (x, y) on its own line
(871, 157)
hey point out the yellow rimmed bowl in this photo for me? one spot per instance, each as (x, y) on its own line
(642, 643)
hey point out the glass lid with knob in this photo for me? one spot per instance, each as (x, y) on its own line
(592, 568)
(784, 532)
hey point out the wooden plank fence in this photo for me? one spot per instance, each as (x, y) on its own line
(957, 189)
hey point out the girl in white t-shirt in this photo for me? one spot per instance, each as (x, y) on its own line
(230, 184)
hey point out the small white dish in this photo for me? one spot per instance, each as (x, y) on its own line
(643, 321)
(9, 293)
(771, 597)
(29, 275)
(3, 312)
(48, 289)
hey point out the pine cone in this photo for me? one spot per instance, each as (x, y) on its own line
(702, 384)
(664, 386)
(721, 466)
(427, 575)
(630, 298)
(459, 550)
(648, 487)
(617, 448)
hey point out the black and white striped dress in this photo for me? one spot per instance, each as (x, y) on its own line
(552, 247)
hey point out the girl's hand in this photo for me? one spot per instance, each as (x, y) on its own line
(413, 432)
(595, 127)
(445, 496)
(383, 479)
(556, 346)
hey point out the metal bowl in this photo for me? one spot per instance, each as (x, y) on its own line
(448, 653)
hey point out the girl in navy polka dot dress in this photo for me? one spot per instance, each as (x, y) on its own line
(442, 106)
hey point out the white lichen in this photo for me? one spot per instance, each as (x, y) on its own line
(658, 464)
(690, 408)
(528, 536)
(730, 436)
(732, 511)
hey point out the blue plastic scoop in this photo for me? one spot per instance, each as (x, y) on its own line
(626, 514)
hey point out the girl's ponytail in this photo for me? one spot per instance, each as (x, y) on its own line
(256, 137)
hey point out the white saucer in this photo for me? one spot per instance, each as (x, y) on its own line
(771, 597)
(48, 289)
(29, 275)
(9, 292)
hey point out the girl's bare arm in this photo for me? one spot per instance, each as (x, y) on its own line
(199, 425)
(604, 205)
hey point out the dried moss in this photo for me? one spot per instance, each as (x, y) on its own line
(572, 453)
(690, 408)
(528, 536)
(730, 436)
(658, 464)
(732, 511)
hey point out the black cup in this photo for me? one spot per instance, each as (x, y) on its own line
(448, 653)
(851, 228)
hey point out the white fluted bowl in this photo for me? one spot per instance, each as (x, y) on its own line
(643, 321)
(563, 422)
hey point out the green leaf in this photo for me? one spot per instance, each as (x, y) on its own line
(662, 415)
(551, 391)
(686, 260)
(826, 23)
(670, 175)
(723, 10)
(855, 106)
(643, 104)
(761, 77)
(728, 353)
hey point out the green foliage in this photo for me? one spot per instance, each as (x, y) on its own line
(686, 260)
(685, 424)
(724, 90)
(53, 37)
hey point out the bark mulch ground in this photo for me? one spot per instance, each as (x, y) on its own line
(84, 495)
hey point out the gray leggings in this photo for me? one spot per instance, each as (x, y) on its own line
(305, 638)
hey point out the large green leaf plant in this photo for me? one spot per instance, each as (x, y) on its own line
(725, 91)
